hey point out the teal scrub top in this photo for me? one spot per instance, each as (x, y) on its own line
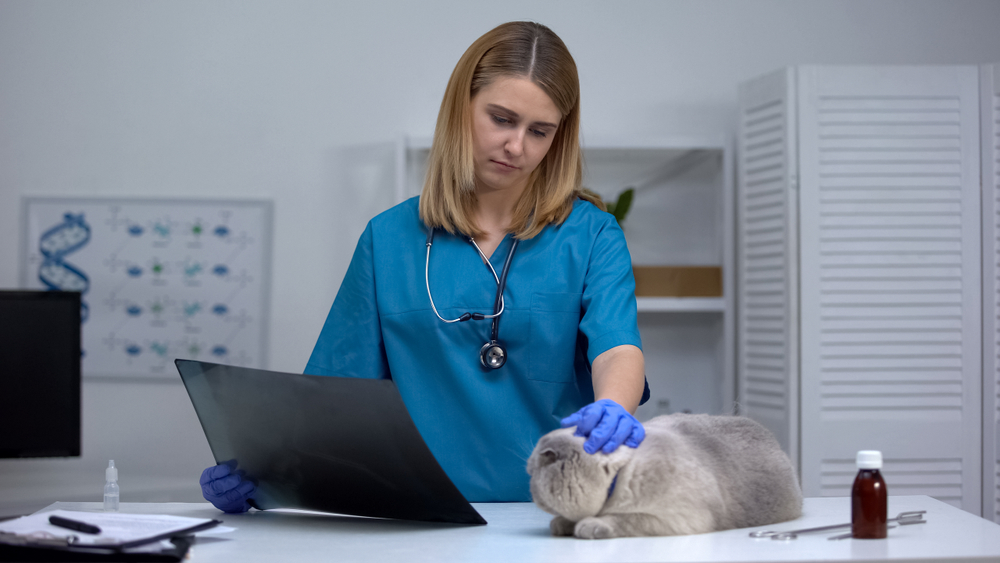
(570, 296)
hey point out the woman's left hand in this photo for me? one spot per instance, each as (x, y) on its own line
(606, 425)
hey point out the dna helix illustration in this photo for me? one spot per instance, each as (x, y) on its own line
(65, 238)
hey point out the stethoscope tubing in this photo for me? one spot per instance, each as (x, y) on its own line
(495, 329)
(500, 282)
(498, 304)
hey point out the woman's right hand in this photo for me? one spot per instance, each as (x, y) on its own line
(224, 488)
(606, 425)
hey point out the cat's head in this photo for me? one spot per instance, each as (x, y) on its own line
(567, 481)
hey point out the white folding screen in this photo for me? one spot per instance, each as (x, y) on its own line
(989, 103)
(860, 302)
(890, 278)
(767, 253)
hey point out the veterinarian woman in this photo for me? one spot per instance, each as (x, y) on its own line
(485, 377)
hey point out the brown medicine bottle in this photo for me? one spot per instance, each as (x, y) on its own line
(869, 498)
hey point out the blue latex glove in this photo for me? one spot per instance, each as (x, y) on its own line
(606, 425)
(226, 489)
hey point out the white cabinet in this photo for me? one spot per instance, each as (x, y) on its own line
(682, 215)
(860, 316)
(989, 102)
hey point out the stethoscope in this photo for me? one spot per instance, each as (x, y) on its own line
(493, 354)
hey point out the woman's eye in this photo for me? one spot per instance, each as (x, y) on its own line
(500, 120)
(540, 134)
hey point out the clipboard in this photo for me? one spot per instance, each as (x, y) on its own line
(63, 551)
(121, 537)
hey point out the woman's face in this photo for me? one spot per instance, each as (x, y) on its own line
(513, 124)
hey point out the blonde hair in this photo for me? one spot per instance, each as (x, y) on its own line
(516, 49)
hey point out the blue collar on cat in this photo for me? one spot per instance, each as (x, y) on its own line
(611, 489)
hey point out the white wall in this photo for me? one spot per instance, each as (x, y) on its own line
(299, 102)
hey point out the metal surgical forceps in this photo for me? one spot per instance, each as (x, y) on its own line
(903, 519)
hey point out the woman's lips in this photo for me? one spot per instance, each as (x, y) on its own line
(505, 165)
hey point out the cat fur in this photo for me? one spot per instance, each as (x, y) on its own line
(693, 473)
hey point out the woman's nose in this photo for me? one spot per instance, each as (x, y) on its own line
(515, 143)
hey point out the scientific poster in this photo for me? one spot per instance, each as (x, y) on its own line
(161, 279)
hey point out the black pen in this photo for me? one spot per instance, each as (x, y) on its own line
(74, 525)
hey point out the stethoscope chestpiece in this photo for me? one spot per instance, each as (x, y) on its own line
(493, 355)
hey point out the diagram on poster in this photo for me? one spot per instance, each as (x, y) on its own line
(160, 279)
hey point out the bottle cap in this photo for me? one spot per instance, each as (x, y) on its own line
(869, 459)
(111, 473)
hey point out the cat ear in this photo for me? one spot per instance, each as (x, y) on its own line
(547, 456)
(540, 459)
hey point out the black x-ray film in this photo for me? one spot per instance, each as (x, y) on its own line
(332, 444)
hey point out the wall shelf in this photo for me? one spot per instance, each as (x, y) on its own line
(680, 304)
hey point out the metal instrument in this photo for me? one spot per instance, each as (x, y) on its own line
(903, 519)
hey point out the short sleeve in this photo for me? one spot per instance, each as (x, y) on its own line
(350, 344)
(609, 311)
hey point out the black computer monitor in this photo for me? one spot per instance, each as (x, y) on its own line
(39, 374)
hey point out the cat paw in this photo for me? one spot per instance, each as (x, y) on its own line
(561, 526)
(592, 528)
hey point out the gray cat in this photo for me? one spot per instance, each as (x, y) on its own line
(692, 474)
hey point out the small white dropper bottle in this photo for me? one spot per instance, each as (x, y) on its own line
(111, 488)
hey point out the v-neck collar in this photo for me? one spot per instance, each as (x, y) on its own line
(504, 245)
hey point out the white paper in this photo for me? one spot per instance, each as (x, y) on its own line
(116, 527)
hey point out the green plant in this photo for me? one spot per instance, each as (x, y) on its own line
(621, 207)
(618, 208)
